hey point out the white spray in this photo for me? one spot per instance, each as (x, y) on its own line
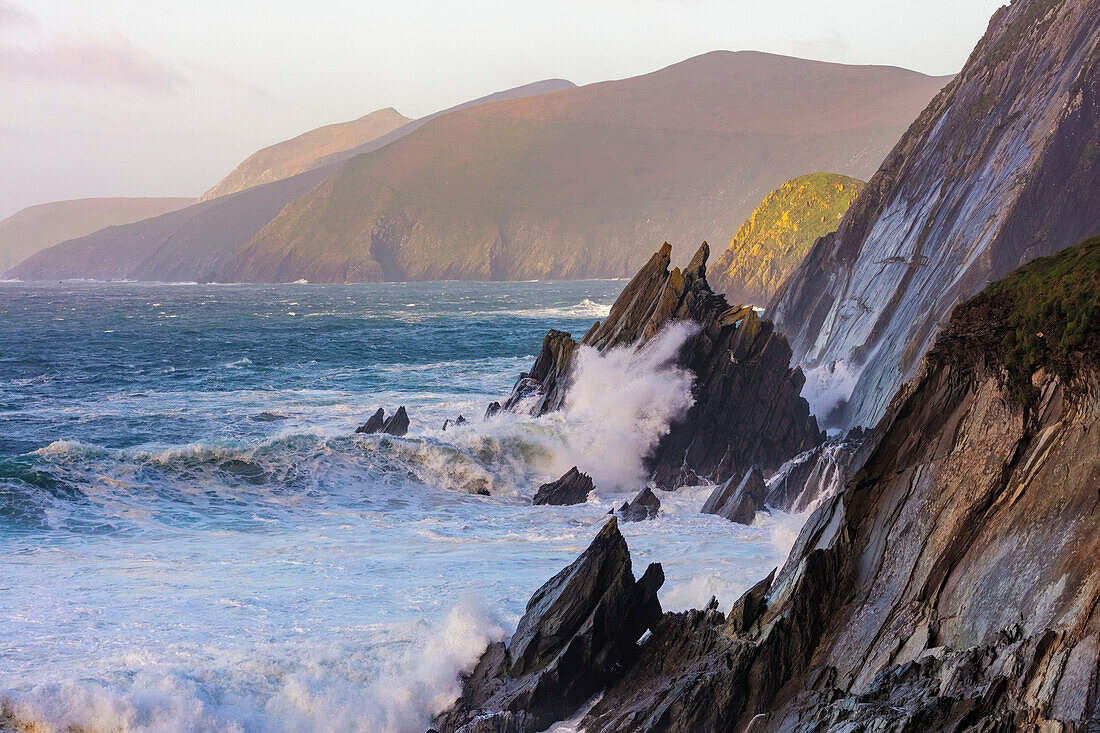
(622, 402)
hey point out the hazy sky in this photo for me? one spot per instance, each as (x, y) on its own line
(158, 98)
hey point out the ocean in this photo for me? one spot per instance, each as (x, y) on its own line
(193, 538)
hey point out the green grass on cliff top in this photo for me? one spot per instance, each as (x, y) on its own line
(1051, 311)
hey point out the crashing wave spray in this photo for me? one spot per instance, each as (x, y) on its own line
(622, 402)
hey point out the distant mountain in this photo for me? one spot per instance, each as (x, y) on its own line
(308, 150)
(37, 227)
(1002, 167)
(778, 234)
(194, 243)
(583, 183)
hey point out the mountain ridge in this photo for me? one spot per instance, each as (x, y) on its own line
(308, 150)
(578, 183)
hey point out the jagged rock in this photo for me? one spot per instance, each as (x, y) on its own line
(815, 475)
(738, 499)
(644, 506)
(452, 423)
(578, 632)
(547, 377)
(975, 188)
(397, 424)
(953, 584)
(374, 424)
(572, 488)
(747, 407)
(492, 409)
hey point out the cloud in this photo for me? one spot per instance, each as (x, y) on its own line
(14, 16)
(88, 60)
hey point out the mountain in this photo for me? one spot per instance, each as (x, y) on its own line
(778, 234)
(194, 243)
(308, 150)
(1002, 167)
(582, 182)
(37, 227)
(952, 585)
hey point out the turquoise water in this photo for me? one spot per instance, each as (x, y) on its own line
(193, 538)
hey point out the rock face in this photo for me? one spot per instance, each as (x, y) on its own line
(644, 506)
(999, 169)
(398, 423)
(374, 423)
(739, 499)
(572, 488)
(954, 583)
(778, 234)
(747, 407)
(579, 631)
(815, 475)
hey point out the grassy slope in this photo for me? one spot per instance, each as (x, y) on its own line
(1045, 314)
(779, 233)
(305, 151)
(584, 182)
(38, 227)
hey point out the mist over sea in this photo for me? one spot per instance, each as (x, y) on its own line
(193, 538)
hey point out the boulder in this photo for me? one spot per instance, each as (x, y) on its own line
(738, 500)
(397, 424)
(575, 638)
(644, 506)
(492, 409)
(572, 488)
(374, 424)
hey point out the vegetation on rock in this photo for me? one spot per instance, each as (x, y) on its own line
(778, 234)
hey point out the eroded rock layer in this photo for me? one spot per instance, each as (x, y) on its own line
(999, 169)
(578, 633)
(747, 408)
(954, 584)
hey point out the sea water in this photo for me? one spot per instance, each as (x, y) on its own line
(193, 537)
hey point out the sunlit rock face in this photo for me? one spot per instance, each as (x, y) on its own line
(1001, 168)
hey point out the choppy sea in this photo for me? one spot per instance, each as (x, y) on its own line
(193, 538)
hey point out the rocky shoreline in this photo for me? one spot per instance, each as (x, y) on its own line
(951, 585)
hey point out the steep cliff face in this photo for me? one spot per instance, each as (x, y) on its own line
(778, 234)
(747, 408)
(954, 584)
(1001, 168)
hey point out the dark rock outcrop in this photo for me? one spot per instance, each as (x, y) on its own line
(999, 169)
(815, 475)
(747, 407)
(397, 423)
(449, 423)
(953, 584)
(739, 499)
(492, 409)
(644, 506)
(572, 488)
(374, 423)
(579, 631)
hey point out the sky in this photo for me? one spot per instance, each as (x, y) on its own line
(159, 98)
